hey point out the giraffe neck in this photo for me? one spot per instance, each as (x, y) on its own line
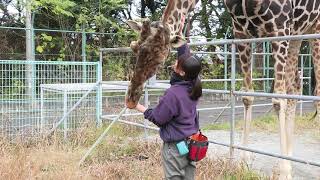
(175, 13)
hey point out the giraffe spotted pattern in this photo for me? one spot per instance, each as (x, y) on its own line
(271, 18)
(151, 50)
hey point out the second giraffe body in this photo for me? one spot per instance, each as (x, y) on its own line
(271, 18)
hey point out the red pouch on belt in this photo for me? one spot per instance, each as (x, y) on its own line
(198, 146)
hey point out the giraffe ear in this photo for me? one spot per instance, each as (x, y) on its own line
(177, 41)
(134, 25)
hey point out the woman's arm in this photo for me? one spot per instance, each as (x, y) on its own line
(163, 112)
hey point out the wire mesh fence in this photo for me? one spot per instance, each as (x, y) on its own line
(20, 87)
(49, 44)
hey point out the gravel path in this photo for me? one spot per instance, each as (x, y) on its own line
(305, 147)
(210, 116)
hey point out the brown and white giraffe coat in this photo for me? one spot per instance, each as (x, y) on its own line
(153, 45)
(152, 48)
(270, 18)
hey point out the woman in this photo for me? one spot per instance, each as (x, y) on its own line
(176, 114)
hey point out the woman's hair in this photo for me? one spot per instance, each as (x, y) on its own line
(192, 67)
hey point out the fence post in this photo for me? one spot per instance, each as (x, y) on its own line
(41, 109)
(310, 71)
(301, 82)
(253, 47)
(83, 55)
(268, 67)
(226, 61)
(146, 104)
(232, 100)
(65, 111)
(264, 65)
(34, 76)
(99, 91)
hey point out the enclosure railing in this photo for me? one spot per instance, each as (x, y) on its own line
(233, 93)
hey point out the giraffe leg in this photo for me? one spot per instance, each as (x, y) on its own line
(293, 87)
(280, 53)
(316, 62)
(245, 58)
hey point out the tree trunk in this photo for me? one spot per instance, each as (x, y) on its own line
(205, 23)
(143, 9)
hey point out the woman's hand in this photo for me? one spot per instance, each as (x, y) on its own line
(140, 108)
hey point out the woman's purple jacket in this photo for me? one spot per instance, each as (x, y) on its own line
(175, 114)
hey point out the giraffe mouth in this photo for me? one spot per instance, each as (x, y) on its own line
(133, 95)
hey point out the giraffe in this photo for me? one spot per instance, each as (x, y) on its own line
(271, 18)
(152, 47)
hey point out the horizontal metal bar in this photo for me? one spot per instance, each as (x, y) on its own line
(216, 91)
(199, 109)
(133, 123)
(222, 80)
(55, 30)
(116, 82)
(124, 115)
(47, 62)
(219, 143)
(255, 105)
(253, 40)
(113, 50)
(128, 50)
(279, 156)
(274, 95)
(253, 79)
(269, 154)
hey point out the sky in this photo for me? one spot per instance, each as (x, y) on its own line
(11, 8)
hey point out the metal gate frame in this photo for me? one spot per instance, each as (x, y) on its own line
(233, 93)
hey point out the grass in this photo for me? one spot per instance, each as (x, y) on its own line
(269, 123)
(120, 156)
(217, 126)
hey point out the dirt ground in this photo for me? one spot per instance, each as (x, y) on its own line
(305, 147)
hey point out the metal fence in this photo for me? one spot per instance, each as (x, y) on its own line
(233, 91)
(25, 101)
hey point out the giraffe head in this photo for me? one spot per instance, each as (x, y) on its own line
(151, 50)
(153, 45)
(173, 17)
